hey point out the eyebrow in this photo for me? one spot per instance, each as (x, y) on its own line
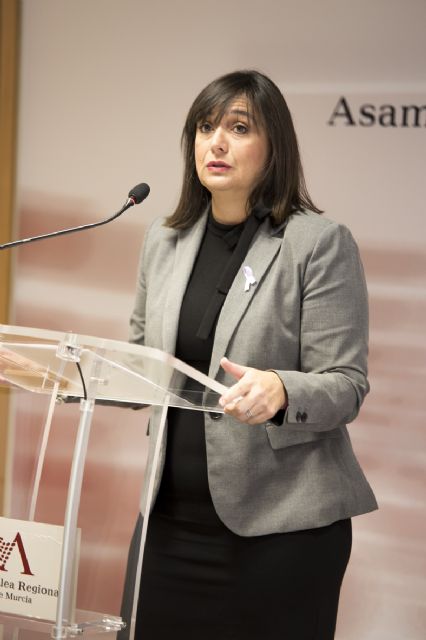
(236, 112)
(241, 112)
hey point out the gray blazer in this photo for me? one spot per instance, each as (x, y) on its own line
(306, 317)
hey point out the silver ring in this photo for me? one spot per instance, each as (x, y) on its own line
(249, 414)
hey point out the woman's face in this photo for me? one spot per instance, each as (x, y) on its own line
(231, 155)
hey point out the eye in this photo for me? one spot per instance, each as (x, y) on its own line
(205, 127)
(240, 127)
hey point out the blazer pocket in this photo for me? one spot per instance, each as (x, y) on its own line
(283, 436)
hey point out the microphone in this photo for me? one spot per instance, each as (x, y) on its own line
(136, 196)
(139, 193)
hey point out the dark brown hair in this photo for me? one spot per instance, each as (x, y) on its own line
(282, 185)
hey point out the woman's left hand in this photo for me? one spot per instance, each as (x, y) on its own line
(256, 397)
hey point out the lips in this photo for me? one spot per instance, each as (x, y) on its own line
(218, 165)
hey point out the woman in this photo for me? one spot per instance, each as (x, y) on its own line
(250, 533)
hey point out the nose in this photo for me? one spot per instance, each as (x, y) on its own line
(219, 141)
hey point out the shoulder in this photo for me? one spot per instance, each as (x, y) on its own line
(307, 232)
(157, 236)
(308, 224)
(158, 231)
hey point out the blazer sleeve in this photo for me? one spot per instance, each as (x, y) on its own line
(331, 384)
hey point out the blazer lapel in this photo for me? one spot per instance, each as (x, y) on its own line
(260, 255)
(187, 246)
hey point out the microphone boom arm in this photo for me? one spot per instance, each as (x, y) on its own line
(136, 195)
(62, 232)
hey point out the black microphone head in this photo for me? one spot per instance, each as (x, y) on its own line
(139, 193)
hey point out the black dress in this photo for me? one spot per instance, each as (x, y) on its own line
(199, 579)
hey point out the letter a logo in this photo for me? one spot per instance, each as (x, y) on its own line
(6, 549)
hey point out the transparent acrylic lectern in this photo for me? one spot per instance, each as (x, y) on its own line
(90, 371)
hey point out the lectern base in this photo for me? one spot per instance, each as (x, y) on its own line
(88, 623)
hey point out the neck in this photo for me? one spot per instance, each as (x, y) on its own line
(229, 209)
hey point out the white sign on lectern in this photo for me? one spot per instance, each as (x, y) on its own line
(30, 562)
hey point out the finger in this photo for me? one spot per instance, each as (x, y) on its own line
(248, 416)
(239, 405)
(238, 390)
(234, 395)
(236, 370)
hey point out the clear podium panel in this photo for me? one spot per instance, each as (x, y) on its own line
(37, 360)
(80, 465)
(113, 477)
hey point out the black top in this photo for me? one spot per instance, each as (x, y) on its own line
(184, 491)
